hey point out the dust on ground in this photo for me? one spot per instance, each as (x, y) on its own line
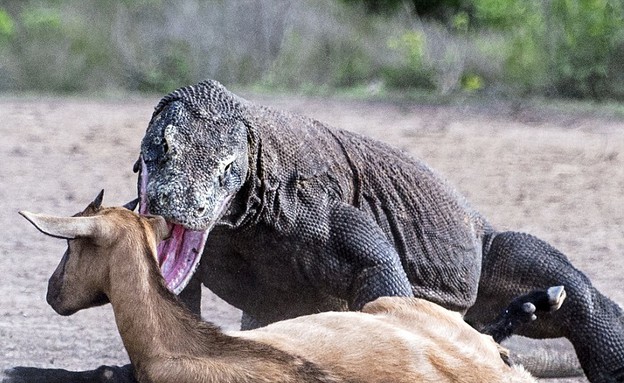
(556, 175)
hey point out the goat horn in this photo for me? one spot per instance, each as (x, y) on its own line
(97, 202)
(63, 227)
(132, 204)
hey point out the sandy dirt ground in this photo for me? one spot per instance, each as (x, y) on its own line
(556, 175)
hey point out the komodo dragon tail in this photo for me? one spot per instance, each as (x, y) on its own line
(545, 358)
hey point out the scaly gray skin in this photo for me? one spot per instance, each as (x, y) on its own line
(323, 219)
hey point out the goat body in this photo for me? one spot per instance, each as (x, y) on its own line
(112, 257)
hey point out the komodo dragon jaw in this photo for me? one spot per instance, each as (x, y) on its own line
(178, 255)
(193, 161)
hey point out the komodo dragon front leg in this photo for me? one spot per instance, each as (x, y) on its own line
(358, 262)
(335, 258)
(341, 252)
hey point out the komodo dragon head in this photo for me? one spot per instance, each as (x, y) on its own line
(193, 161)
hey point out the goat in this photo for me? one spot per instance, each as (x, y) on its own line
(111, 257)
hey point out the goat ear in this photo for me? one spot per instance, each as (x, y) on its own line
(63, 227)
(160, 227)
(132, 204)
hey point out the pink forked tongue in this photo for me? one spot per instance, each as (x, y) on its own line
(179, 255)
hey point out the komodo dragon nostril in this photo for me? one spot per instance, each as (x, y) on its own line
(201, 211)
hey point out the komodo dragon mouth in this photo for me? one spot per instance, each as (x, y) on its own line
(179, 255)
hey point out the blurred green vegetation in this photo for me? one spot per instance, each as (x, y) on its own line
(551, 48)
(414, 70)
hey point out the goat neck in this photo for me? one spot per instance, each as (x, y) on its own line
(166, 342)
(150, 319)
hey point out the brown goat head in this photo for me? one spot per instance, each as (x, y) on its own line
(95, 237)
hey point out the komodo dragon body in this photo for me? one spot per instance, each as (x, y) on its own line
(304, 218)
(322, 219)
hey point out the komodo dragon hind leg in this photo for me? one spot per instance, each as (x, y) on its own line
(515, 263)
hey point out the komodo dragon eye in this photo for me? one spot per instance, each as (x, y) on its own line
(227, 172)
(163, 150)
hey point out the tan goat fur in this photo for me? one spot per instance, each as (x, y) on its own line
(392, 340)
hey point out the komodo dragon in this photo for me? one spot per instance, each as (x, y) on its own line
(304, 218)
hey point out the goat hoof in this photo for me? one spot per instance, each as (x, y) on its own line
(6, 376)
(529, 310)
(525, 308)
(105, 373)
(22, 375)
(547, 300)
(26, 375)
(556, 296)
(114, 374)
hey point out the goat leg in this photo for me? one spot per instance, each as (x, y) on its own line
(108, 374)
(523, 310)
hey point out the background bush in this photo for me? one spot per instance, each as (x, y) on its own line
(563, 48)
